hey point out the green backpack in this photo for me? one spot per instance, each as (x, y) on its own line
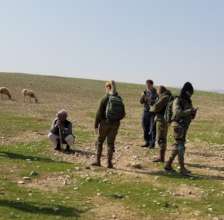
(168, 115)
(115, 110)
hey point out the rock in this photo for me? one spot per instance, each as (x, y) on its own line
(77, 168)
(88, 179)
(34, 173)
(56, 209)
(156, 178)
(28, 161)
(136, 165)
(118, 196)
(21, 182)
(210, 209)
(26, 178)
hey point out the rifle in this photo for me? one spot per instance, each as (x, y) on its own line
(60, 136)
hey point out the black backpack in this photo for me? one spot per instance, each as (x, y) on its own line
(115, 110)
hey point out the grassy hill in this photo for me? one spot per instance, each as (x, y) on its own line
(64, 186)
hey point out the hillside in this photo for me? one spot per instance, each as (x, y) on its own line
(62, 186)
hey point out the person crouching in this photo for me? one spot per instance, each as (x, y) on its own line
(61, 132)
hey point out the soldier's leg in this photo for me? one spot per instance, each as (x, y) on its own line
(153, 132)
(55, 141)
(111, 143)
(161, 137)
(146, 127)
(181, 154)
(174, 153)
(103, 130)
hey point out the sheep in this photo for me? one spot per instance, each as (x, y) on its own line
(30, 94)
(5, 91)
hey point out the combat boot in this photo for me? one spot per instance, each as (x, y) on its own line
(183, 170)
(168, 167)
(161, 157)
(110, 157)
(98, 156)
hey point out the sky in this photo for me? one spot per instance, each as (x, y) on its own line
(169, 41)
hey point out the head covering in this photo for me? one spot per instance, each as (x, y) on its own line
(62, 113)
(112, 85)
(162, 89)
(187, 88)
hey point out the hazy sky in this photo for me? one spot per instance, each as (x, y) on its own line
(170, 41)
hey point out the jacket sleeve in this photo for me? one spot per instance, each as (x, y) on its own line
(53, 126)
(142, 99)
(160, 104)
(178, 113)
(100, 114)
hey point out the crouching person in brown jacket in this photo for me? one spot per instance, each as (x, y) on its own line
(111, 111)
(61, 132)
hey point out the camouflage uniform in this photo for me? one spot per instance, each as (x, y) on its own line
(182, 117)
(107, 130)
(159, 109)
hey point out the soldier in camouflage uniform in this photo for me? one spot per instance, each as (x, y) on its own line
(183, 114)
(106, 129)
(159, 109)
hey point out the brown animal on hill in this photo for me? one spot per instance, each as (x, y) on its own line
(30, 94)
(5, 92)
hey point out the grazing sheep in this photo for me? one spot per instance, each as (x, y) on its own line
(5, 91)
(30, 94)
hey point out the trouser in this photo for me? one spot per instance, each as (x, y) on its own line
(69, 139)
(161, 134)
(149, 128)
(161, 138)
(107, 131)
(179, 133)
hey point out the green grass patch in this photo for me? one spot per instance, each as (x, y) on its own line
(12, 124)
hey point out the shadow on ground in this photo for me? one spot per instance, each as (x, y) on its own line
(16, 156)
(174, 175)
(203, 166)
(44, 209)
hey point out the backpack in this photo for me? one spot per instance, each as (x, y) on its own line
(115, 110)
(168, 115)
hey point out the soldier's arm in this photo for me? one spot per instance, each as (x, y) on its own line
(142, 99)
(101, 111)
(53, 126)
(178, 112)
(159, 105)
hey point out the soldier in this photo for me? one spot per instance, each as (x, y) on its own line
(148, 99)
(159, 109)
(107, 122)
(183, 113)
(61, 132)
